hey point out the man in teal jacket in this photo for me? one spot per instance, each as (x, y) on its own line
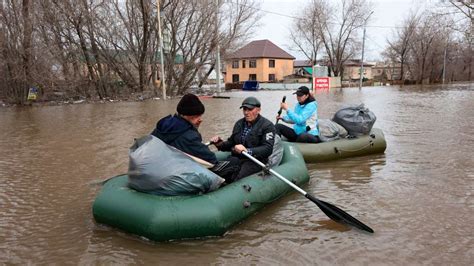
(304, 117)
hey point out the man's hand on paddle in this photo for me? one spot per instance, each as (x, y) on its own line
(239, 148)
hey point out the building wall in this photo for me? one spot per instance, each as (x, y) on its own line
(283, 67)
(352, 72)
(392, 72)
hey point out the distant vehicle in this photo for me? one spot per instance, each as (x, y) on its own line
(251, 85)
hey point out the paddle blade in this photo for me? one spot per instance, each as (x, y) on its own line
(338, 215)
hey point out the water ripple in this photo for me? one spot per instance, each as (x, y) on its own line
(418, 196)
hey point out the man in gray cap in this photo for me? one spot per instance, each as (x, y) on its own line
(254, 134)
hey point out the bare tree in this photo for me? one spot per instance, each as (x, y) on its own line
(237, 20)
(466, 8)
(90, 29)
(77, 17)
(105, 48)
(26, 43)
(191, 27)
(143, 40)
(423, 45)
(17, 34)
(127, 41)
(432, 43)
(336, 25)
(57, 39)
(461, 14)
(398, 49)
(305, 36)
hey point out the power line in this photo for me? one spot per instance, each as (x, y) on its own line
(299, 18)
(377, 44)
(335, 23)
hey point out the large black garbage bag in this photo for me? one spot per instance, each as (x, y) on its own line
(160, 169)
(357, 120)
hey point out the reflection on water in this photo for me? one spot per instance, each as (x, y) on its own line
(417, 196)
(348, 174)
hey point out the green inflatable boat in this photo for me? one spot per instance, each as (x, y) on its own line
(344, 148)
(162, 218)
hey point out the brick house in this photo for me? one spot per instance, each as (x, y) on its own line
(260, 60)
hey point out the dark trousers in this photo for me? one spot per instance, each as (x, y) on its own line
(234, 168)
(247, 168)
(291, 136)
(227, 168)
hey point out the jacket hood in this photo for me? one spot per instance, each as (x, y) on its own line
(171, 127)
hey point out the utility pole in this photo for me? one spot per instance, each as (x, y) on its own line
(363, 47)
(470, 37)
(444, 62)
(160, 36)
(218, 55)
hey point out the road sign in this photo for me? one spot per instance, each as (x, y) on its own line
(32, 93)
(321, 83)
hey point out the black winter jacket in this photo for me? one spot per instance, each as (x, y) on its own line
(260, 140)
(179, 133)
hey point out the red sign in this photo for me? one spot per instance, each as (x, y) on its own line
(321, 83)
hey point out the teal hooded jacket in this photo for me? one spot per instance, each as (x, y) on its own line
(302, 115)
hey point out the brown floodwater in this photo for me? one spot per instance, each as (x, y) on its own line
(418, 196)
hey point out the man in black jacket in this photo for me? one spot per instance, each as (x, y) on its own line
(254, 134)
(181, 131)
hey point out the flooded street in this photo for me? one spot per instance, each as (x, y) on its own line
(418, 196)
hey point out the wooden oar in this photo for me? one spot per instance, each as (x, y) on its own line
(279, 111)
(330, 210)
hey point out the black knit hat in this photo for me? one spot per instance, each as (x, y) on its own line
(190, 105)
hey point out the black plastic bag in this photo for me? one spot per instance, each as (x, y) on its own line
(357, 120)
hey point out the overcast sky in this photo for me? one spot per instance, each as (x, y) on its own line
(387, 14)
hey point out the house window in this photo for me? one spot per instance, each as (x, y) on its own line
(235, 78)
(271, 77)
(253, 77)
(243, 63)
(271, 63)
(253, 63)
(235, 64)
